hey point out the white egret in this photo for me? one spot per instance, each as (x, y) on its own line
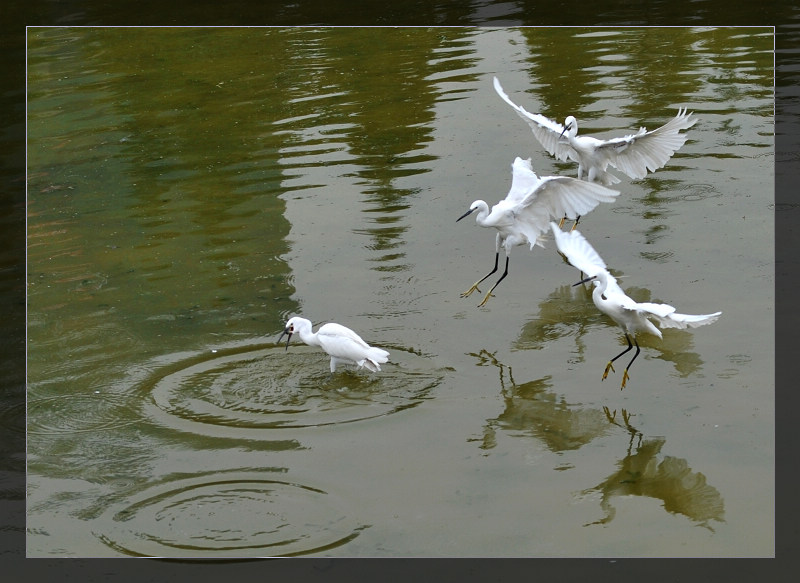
(522, 217)
(634, 154)
(609, 298)
(342, 344)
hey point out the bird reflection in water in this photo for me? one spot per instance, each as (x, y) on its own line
(669, 479)
(533, 409)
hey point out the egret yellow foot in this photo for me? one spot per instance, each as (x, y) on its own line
(486, 299)
(467, 293)
(609, 366)
(563, 220)
(625, 378)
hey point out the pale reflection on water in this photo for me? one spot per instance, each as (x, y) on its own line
(190, 189)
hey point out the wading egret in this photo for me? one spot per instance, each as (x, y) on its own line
(342, 344)
(609, 298)
(634, 154)
(523, 216)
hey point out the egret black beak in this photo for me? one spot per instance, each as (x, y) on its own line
(466, 214)
(584, 280)
(289, 332)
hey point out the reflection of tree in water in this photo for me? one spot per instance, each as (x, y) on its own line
(382, 123)
(671, 480)
(562, 314)
(532, 410)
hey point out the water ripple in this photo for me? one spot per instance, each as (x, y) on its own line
(240, 391)
(228, 515)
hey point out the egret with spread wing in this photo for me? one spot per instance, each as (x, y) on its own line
(609, 298)
(523, 216)
(342, 344)
(634, 154)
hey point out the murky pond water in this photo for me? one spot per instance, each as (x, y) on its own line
(191, 189)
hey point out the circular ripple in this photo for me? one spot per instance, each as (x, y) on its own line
(234, 515)
(78, 413)
(235, 391)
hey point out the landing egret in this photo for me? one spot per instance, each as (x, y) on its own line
(609, 298)
(634, 154)
(523, 215)
(342, 344)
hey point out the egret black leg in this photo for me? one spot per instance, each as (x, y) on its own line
(489, 293)
(610, 364)
(475, 285)
(625, 376)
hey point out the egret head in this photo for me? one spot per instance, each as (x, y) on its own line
(570, 127)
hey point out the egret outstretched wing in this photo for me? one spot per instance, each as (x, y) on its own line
(668, 318)
(583, 256)
(523, 181)
(643, 152)
(635, 154)
(546, 131)
(578, 250)
(566, 196)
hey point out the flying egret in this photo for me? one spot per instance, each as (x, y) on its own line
(522, 217)
(634, 154)
(609, 298)
(342, 344)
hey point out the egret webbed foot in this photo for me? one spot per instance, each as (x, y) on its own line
(625, 378)
(609, 366)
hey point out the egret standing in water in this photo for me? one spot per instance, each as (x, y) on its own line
(342, 344)
(523, 216)
(634, 154)
(609, 298)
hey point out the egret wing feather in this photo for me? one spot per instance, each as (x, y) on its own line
(583, 256)
(566, 196)
(337, 331)
(341, 342)
(683, 321)
(523, 180)
(546, 131)
(578, 250)
(557, 197)
(637, 154)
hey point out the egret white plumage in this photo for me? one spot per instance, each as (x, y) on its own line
(342, 344)
(523, 216)
(609, 298)
(634, 154)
